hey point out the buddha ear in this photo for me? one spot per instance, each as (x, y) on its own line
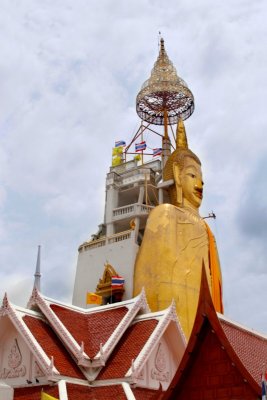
(178, 186)
(176, 173)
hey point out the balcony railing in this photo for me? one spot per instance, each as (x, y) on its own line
(117, 237)
(131, 210)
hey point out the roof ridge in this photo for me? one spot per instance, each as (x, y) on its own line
(59, 327)
(140, 303)
(84, 310)
(17, 320)
(131, 307)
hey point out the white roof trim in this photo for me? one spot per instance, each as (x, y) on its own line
(96, 309)
(60, 328)
(168, 315)
(17, 320)
(62, 389)
(140, 303)
(134, 305)
(128, 391)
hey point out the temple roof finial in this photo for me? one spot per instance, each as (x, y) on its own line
(37, 275)
(162, 48)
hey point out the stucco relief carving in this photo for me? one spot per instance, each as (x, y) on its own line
(141, 374)
(160, 371)
(37, 370)
(14, 361)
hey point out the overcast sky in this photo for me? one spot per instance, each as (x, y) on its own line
(69, 75)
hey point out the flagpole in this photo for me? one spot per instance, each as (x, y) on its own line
(146, 187)
(142, 139)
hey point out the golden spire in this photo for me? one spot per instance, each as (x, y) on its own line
(181, 139)
(164, 92)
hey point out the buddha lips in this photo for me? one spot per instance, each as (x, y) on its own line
(199, 192)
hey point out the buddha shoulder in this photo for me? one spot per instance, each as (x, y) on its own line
(167, 213)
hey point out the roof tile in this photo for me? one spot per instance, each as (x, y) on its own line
(128, 349)
(52, 346)
(34, 392)
(250, 347)
(78, 392)
(147, 394)
(92, 329)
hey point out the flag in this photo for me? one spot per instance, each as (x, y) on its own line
(263, 388)
(140, 146)
(45, 396)
(157, 152)
(117, 282)
(92, 298)
(119, 143)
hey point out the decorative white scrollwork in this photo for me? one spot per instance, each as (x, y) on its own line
(160, 372)
(14, 361)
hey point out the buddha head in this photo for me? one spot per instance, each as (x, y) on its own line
(184, 167)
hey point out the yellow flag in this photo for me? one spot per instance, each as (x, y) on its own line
(45, 396)
(116, 151)
(92, 298)
(117, 160)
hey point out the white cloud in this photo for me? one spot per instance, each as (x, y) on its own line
(69, 76)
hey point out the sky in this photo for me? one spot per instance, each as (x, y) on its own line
(69, 76)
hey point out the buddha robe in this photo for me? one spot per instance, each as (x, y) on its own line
(176, 243)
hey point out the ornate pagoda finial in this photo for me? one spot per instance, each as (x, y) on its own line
(164, 93)
(181, 139)
(162, 47)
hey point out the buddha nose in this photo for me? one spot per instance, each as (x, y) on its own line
(199, 184)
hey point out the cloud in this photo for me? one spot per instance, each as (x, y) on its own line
(70, 73)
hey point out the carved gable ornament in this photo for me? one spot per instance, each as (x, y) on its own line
(14, 368)
(160, 370)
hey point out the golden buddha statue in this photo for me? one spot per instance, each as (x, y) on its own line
(177, 242)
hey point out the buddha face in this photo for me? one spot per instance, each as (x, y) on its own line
(191, 183)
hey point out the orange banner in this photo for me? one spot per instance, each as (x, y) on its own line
(92, 298)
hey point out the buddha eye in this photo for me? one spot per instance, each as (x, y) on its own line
(192, 175)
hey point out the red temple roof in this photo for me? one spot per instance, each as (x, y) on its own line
(251, 347)
(34, 392)
(218, 361)
(52, 346)
(78, 392)
(93, 329)
(128, 349)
